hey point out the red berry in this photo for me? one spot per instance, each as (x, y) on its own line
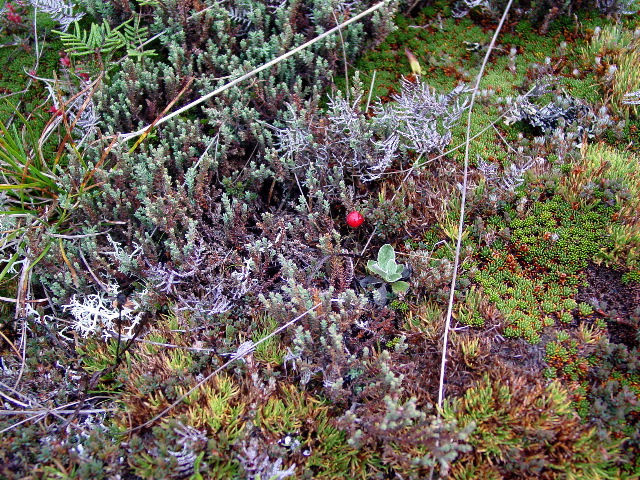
(355, 219)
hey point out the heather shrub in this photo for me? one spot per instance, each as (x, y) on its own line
(205, 169)
(614, 399)
(346, 146)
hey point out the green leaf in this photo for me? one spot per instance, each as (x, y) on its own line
(42, 254)
(386, 257)
(386, 266)
(392, 277)
(399, 287)
(10, 262)
(387, 276)
(374, 268)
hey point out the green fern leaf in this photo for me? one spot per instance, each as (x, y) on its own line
(103, 39)
(77, 42)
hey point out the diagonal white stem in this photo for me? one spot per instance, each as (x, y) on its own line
(447, 327)
(377, 6)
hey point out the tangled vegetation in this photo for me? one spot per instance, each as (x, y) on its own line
(319, 239)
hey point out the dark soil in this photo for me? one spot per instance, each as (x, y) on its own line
(618, 303)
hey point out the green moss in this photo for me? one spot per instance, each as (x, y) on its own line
(17, 88)
(539, 273)
(613, 165)
(631, 277)
(508, 416)
(320, 445)
(583, 88)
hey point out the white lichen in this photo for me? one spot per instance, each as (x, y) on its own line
(96, 314)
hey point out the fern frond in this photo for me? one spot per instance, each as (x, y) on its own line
(103, 39)
(135, 36)
(108, 40)
(99, 39)
(77, 42)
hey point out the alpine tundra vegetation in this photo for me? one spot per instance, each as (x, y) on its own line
(320, 239)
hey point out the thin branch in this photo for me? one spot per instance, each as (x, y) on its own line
(31, 402)
(344, 56)
(373, 82)
(73, 237)
(13, 347)
(13, 400)
(160, 117)
(171, 345)
(21, 297)
(28, 419)
(14, 300)
(86, 264)
(61, 412)
(37, 415)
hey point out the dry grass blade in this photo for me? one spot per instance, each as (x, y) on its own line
(35, 415)
(447, 328)
(57, 410)
(12, 346)
(157, 120)
(30, 401)
(275, 61)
